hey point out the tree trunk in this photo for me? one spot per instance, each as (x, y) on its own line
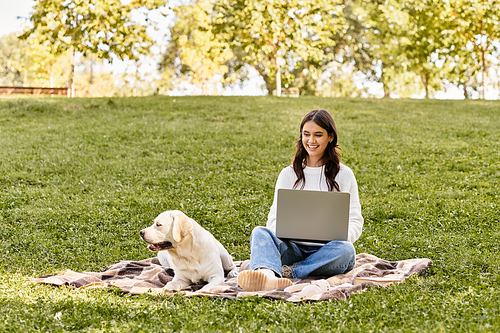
(71, 88)
(425, 82)
(317, 87)
(484, 72)
(269, 84)
(466, 94)
(267, 80)
(91, 78)
(278, 78)
(387, 92)
(134, 90)
(51, 78)
(332, 84)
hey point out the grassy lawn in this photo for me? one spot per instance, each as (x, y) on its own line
(80, 177)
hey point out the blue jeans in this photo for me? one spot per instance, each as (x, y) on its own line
(268, 251)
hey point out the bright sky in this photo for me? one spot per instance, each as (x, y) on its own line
(9, 13)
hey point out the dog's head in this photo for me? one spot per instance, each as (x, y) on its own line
(168, 229)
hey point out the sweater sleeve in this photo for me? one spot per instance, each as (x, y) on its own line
(286, 179)
(355, 218)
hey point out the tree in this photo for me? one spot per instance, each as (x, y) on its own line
(402, 41)
(46, 68)
(13, 61)
(423, 40)
(384, 25)
(101, 27)
(194, 54)
(474, 26)
(29, 63)
(461, 69)
(274, 35)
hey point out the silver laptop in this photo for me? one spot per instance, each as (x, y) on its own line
(312, 217)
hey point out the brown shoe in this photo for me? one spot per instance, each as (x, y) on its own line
(261, 280)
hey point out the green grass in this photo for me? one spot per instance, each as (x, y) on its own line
(80, 177)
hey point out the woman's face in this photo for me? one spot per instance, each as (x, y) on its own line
(315, 140)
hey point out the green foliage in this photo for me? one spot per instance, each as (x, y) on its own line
(423, 41)
(29, 63)
(81, 177)
(473, 27)
(194, 55)
(398, 38)
(12, 60)
(274, 35)
(103, 28)
(409, 46)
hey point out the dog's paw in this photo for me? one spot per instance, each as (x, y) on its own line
(172, 286)
(233, 273)
(207, 288)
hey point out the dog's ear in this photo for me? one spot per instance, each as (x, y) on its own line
(182, 227)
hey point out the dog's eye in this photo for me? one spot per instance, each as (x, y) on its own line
(158, 224)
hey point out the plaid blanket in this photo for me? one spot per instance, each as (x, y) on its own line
(148, 276)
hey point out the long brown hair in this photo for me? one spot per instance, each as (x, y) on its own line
(331, 158)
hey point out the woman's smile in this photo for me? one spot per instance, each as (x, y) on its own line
(315, 139)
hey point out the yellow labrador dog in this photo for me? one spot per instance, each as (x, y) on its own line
(193, 252)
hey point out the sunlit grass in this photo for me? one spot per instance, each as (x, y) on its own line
(81, 177)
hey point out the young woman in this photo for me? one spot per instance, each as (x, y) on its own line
(316, 166)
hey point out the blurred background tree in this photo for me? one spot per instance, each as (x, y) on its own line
(194, 54)
(104, 28)
(14, 62)
(355, 48)
(474, 25)
(29, 63)
(275, 36)
(422, 42)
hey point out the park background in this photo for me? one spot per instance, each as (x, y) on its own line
(79, 177)
(401, 49)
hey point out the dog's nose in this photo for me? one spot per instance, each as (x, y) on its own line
(142, 233)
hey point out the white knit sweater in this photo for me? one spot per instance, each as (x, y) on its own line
(315, 180)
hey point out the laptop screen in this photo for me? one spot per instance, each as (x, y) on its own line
(314, 216)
